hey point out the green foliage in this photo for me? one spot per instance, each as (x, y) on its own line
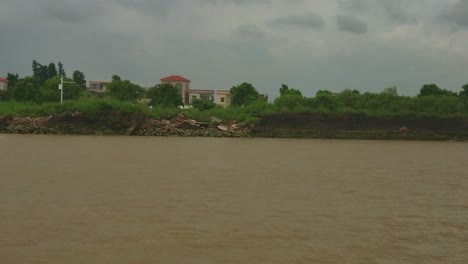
(323, 92)
(290, 102)
(243, 94)
(116, 78)
(391, 91)
(434, 90)
(165, 95)
(51, 70)
(40, 72)
(5, 95)
(327, 102)
(50, 92)
(203, 104)
(290, 99)
(61, 70)
(25, 90)
(285, 90)
(464, 91)
(91, 109)
(125, 91)
(79, 78)
(12, 79)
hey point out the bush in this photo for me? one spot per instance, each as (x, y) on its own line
(203, 104)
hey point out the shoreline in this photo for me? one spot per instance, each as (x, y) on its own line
(75, 124)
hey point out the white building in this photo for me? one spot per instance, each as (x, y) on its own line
(3, 84)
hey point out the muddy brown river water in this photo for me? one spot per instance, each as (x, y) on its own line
(68, 199)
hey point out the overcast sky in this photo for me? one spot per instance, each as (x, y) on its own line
(308, 44)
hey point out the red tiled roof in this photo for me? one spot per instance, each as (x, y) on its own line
(174, 78)
(3, 79)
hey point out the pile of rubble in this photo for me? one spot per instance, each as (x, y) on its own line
(181, 126)
(177, 126)
(23, 125)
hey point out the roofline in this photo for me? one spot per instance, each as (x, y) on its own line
(198, 91)
(100, 81)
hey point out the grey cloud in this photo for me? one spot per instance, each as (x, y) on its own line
(310, 20)
(351, 24)
(400, 11)
(70, 11)
(150, 7)
(239, 2)
(457, 14)
(250, 31)
(262, 54)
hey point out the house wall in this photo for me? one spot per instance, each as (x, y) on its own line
(219, 99)
(198, 95)
(193, 96)
(98, 87)
(3, 86)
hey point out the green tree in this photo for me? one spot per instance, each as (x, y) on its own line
(243, 94)
(12, 79)
(328, 102)
(285, 90)
(434, 90)
(165, 95)
(323, 92)
(79, 78)
(125, 91)
(5, 95)
(51, 70)
(39, 72)
(51, 93)
(116, 78)
(289, 99)
(464, 92)
(203, 104)
(26, 89)
(61, 70)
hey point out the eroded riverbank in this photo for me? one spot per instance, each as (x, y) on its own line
(273, 126)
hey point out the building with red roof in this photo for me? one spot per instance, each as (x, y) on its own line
(181, 83)
(3, 84)
(174, 78)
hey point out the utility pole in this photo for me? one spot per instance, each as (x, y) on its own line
(61, 88)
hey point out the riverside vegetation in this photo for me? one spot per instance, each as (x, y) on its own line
(434, 112)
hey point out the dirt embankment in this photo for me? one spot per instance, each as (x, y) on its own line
(272, 125)
(120, 124)
(361, 127)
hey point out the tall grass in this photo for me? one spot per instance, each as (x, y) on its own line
(89, 107)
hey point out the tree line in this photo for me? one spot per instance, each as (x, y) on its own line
(42, 87)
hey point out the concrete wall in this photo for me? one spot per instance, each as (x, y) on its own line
(223, 99)
(200, 95)
(3, 86)
(99, 87)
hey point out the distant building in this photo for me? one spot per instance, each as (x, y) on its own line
(223, 97)
(98, 86)
(3, 84)
(264, 97)
(180, 83)
(202, 95)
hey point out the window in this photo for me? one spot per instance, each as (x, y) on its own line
(194, 97)
(222, 99)
(206, 97)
